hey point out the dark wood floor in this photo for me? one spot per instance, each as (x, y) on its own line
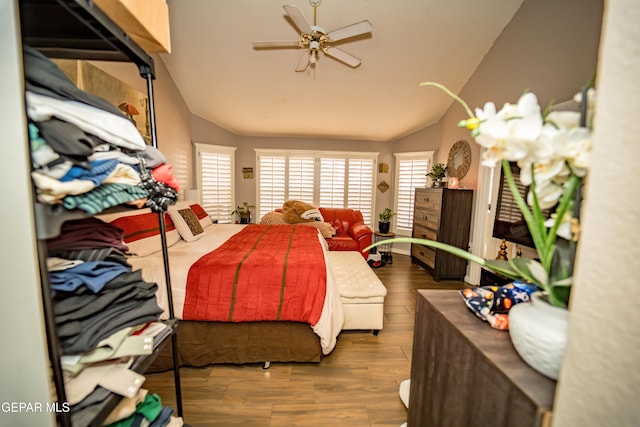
(356, 385)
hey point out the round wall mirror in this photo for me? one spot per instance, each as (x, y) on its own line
(459, 159)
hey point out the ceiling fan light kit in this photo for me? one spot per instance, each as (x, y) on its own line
(314, 39)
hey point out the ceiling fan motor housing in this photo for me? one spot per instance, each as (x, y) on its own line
(317, 29)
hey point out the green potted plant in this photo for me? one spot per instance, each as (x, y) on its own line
(385, 220)
(438, 172)
(243, 212)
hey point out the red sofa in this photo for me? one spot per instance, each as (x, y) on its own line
(352, 234)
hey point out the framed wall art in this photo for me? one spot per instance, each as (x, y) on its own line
(133, 103)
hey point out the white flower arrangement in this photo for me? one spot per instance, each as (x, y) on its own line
(553, 152)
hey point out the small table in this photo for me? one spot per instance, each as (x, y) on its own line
(385, 248)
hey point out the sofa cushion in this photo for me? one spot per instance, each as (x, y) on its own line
(343, 243)
(341, 226)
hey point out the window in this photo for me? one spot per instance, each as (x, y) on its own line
(411, 170)
(215, 171)
(326, 179)
(332, 183)
(300, 179)
(361, 179)
(271, 179)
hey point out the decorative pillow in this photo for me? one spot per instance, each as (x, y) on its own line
(340, 226)
(203, 216)
(186, 222)
(272, 218)
(142, 230)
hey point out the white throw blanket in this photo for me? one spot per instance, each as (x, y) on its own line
(111, 128)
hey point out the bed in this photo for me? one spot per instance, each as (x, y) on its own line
(201, 341)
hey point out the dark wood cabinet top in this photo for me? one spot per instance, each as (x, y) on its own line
(493, 345)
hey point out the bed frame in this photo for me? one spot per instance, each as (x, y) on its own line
(206, 343)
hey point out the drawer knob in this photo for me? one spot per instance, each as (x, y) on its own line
(422, 253)
(424, 217)
(426, 199)
(424, 236)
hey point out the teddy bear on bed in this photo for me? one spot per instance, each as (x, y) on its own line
(299, 212)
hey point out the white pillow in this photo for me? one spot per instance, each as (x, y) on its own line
(186, 222)
(142, 231)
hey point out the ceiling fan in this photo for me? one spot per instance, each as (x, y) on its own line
(314, 39)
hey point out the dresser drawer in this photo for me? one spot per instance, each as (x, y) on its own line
(421, 232)
(425, 254)
(429, 199)
(426, 218)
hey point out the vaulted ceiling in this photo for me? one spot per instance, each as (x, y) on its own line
(251, 92)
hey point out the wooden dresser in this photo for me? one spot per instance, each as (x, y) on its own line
(445, 216)
(465, 373)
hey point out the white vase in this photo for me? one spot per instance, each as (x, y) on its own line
(538, 331)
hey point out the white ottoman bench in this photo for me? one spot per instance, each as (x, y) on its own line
(361, 292)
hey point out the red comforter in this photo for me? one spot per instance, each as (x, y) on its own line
(264, 272)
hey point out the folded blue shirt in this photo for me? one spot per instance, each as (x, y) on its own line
(93, 274)
(100, 170)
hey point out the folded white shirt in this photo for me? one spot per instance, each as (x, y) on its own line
(50, 190)
(117, 130)
(123, 174)
(60, 264)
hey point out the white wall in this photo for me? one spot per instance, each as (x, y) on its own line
(599, 383)
(173, 118)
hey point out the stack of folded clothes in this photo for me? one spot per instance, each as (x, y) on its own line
(86, 153)
(106, 314)
(88, 156)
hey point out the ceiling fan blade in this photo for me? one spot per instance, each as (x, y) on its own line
(276, 43)
(304, 61)
(298, 18)
(352, 30)
(343, 56)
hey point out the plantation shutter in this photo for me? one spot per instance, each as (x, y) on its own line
(410, 173)
(216, 183)
(301, 179)
(331, 179)
(272, 183)
(332, 182)
(360, 187)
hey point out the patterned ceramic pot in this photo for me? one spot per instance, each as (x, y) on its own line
(538, 332)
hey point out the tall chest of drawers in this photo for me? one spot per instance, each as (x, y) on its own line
(442, 215)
